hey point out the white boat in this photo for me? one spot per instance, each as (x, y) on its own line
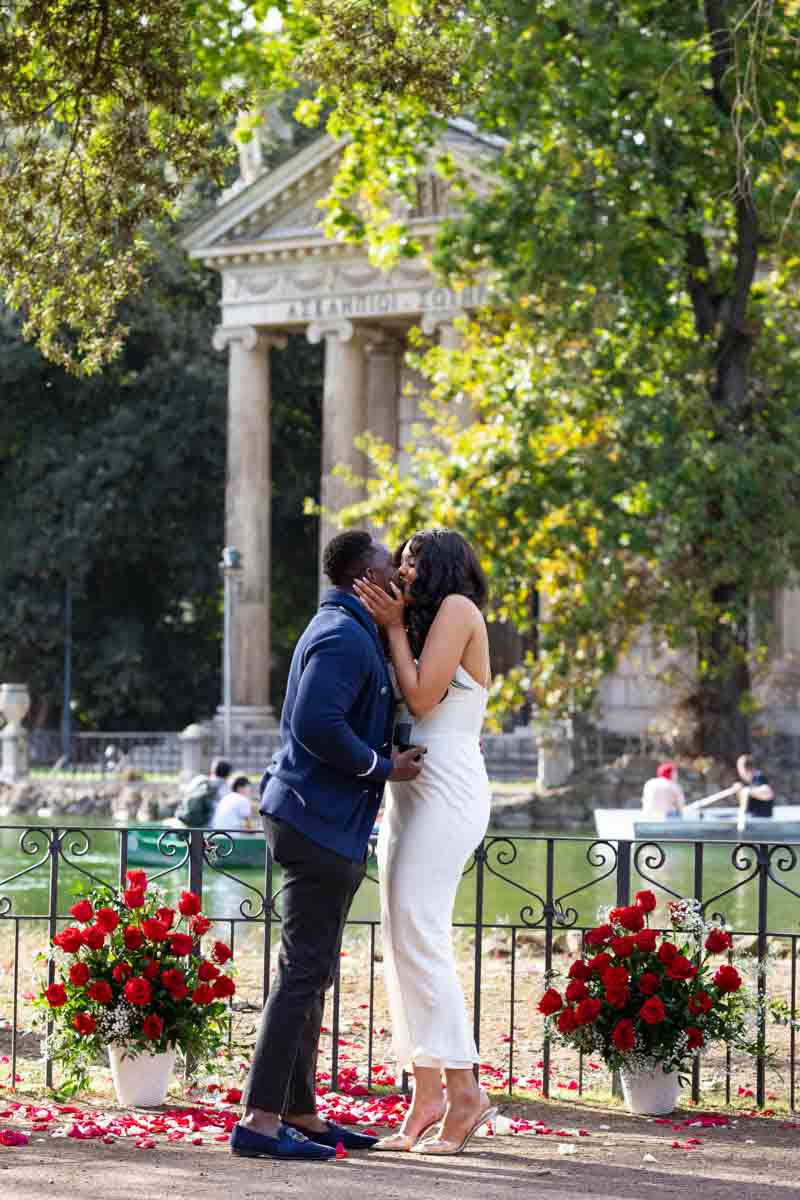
(698, 825)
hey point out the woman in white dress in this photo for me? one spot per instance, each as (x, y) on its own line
(440, 654)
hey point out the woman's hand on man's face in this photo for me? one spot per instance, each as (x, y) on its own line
(388, 610)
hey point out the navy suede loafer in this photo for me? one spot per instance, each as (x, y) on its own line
(290, 1143)
(338, 1133)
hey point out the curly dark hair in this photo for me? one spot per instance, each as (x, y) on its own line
(446, 564)
(347, 556)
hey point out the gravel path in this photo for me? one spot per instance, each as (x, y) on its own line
(753, 1159)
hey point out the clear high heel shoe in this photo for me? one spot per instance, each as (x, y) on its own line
(404, 1141)
(445, 1146)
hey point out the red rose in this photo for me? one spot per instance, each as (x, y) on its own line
(221, 952)
(614, 913)
(133, 897)
(618, 997)
(696, 1039)
(203, 994)
(223, 987)
(550, 1002)
(649, 983)
(599, 963)
(588, 1010)
(232, 1096)
(567, 1021)
(56, 995)
(631, 918)
(154, 929)
(101, 991)
(652, 1011)
(94, 937)
(728, 979)
(679, 967)
(79, 974)
(189, 904)
(151, 970)
(666, 952)
(646, 940)
(181, 943)
(576, 990)
(599, 936)
(700, 1002)
(623, 946)
(122, 971)
(623, 1035)
(152, 1027)
(84, 1023)
(579, 970)
(172, 977)
(70, 939)
(207, 971)
(200, 924)
(615, 977)
(132, 937)
(107, 919)
(82, 911)
(717, 941)
(646, 901)
(138, 990)
(179, 992)
(166, 916)
(137, 879)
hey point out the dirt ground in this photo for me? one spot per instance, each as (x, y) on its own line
(754, 1158)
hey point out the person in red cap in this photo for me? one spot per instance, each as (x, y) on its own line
(663, 796)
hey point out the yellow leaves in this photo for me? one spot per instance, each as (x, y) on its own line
(308, 112)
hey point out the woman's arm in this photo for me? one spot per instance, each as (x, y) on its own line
(424, 683)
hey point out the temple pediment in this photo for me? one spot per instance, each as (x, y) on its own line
(280, 212)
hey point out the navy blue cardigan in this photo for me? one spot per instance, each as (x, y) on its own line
(336, 728)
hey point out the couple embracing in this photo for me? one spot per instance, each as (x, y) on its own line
(388, 683)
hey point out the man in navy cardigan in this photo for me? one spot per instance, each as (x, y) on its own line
(320, 798)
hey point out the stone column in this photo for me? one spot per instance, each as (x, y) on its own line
(383, 374)
(344, 417)
(248, 494)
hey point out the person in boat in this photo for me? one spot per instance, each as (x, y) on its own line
(662, 796)
(235, 809)
(756, 797)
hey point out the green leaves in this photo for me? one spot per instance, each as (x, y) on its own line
(103, 122)
(634, 381)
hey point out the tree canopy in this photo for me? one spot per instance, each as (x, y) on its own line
(635, 380)
(632, 386)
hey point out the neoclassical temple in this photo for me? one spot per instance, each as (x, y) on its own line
(280, 275)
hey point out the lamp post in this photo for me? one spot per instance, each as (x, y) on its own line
(66, 709)
(231, 568)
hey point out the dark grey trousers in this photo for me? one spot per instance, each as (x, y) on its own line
(318, 889)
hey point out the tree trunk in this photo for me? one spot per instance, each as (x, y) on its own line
(723, 689)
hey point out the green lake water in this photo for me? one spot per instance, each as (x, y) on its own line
(516, 867)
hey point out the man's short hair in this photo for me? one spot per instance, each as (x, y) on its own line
(221, 768)
(240, 781)
(348, 556)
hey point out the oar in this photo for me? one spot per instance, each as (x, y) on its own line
(710, 799)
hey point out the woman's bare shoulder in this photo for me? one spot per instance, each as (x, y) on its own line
(460, 607)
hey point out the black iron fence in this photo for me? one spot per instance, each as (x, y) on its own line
(525, 901)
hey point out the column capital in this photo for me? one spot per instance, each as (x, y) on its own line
(433, 321)
(342, 329)
(250, 337)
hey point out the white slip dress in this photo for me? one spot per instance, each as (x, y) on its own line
(430, 828)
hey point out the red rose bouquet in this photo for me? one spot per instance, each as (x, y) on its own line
(641, 999)
(129, 971)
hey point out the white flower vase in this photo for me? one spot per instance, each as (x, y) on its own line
(140, 1080)
(650, 1093)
